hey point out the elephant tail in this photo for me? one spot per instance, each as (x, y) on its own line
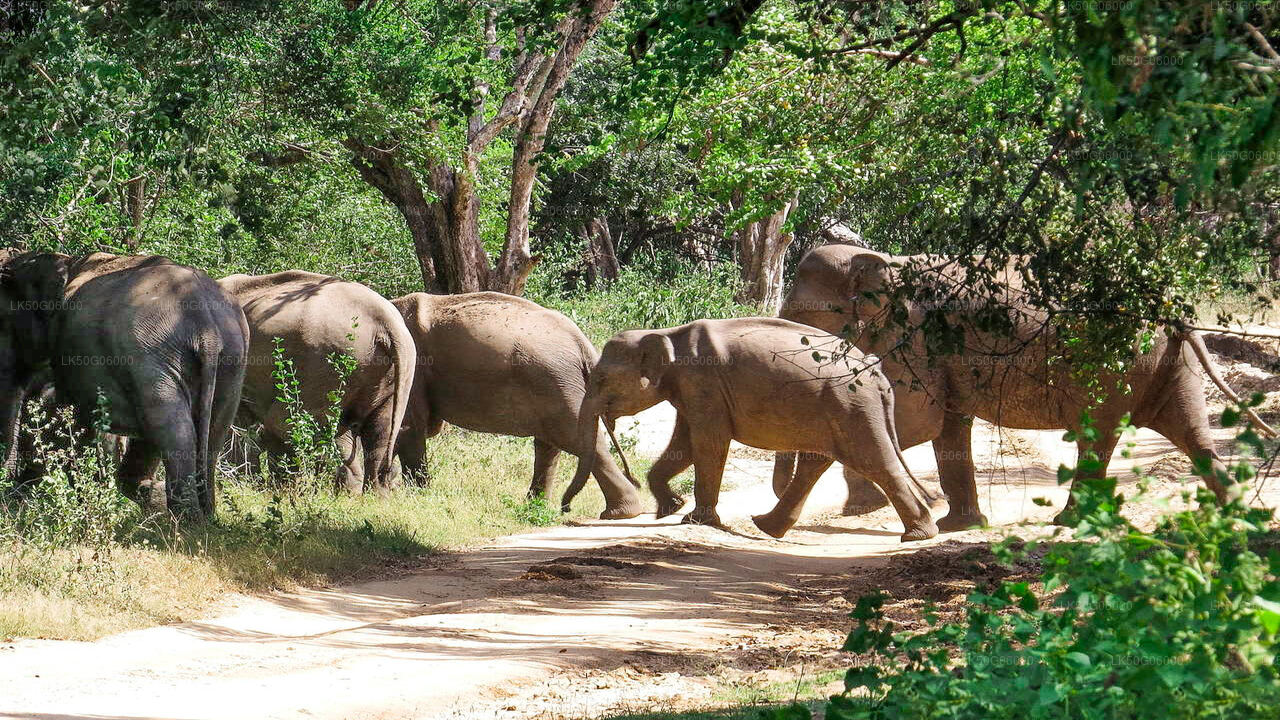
(1202, 354)
(404, 353)
(887, 403)
(210, 356)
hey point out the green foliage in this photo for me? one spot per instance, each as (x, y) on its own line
(537, 511)
(641, 298)
(76, 502)
(1180, 622)
(314, 454)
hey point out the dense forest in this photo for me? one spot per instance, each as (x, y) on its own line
(1127, 151)
(640, 164)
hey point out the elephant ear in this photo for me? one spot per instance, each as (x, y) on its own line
(657, 353)
(39, 278)
(35, 283)
(867, 278)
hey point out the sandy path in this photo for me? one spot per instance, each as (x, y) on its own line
(509, 629)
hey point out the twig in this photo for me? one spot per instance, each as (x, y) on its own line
(1262, 40)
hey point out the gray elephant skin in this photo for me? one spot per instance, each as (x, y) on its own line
(501, 364)
(1008, 379)
(757, 381)
(161, 342)
(313, 315)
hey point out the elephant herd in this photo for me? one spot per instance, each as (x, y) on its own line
(177, 357)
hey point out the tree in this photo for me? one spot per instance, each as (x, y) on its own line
(408, 90)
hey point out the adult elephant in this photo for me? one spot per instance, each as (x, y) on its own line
(1007, 377)
(315, 317)
(160, 344)
(501, 364)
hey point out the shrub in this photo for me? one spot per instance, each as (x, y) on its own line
(1176, 623)
(76, 503)
(643, 299)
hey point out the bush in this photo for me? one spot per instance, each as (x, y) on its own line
(640, 298)
(1176, 623)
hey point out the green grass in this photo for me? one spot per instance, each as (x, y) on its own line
(263, 540)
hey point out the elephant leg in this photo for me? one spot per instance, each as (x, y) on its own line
(278, 456)
(1191, 434)
(953, 449)
(675, 459)
(784, 468)
(1105, 445)
(411, 445)
(351, 470)
(864, 497)
(779, 520)
(545, 458)
(378, 437)
(175, 438)
(878, 461)
(621, 500)
(710, 450)
(137, 477)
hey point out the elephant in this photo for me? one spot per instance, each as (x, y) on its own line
(764, 382)
(315, 316)
(1006, 378)
(501, 364)
(158, 343)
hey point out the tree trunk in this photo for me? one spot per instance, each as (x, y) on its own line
(762, 249)
(517, 259)
(1273, 247)
(602, 257)
(135, 201)
(446, 234)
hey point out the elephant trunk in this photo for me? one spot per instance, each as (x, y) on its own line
(10, 412)
(588, 435)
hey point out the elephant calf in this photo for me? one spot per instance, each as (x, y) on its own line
(160, 342)
(501, 364)
(757, 381)
(313, 315)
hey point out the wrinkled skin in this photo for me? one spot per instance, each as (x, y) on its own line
(501, 364)
(1007, 380)
(754, 380)
(161, 342)
(313, 315)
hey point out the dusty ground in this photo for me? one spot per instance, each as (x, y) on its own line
(571, 622)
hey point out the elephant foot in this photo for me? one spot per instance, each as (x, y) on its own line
(960, 520)
(702, 516)
(623, 511)
(770, 526)
(669, 506)
(920, 531)
(864, 497)
(861, 507)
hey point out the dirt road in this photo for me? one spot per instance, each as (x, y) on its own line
(565, 622)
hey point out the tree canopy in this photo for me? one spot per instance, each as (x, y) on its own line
(1127, 151)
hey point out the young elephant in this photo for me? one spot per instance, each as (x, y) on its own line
(316, 316)
(495, 363)
(757, 381)
(160, 343)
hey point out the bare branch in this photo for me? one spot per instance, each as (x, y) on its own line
(888, 54)
(1261, 39)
